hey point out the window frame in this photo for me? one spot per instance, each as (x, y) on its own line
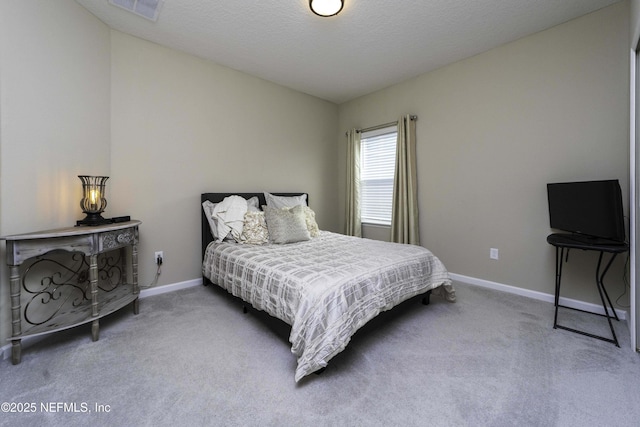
(368, 218)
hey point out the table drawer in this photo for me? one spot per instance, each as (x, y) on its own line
(17, 252)
(117, 239)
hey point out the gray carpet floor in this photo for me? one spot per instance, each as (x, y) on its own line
(192, 357)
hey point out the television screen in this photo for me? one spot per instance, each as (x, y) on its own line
(591, 208)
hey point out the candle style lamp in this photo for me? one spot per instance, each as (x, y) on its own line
(93, 201)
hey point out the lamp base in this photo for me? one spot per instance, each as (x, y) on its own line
(93, 219)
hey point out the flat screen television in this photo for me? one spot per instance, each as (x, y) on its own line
(589, 208)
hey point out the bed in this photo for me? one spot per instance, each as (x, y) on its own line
(325, 287)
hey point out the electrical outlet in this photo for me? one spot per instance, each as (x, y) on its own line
(159, 257)
(493, 253)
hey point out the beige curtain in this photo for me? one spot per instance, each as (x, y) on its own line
(353, 226)
(404, 215)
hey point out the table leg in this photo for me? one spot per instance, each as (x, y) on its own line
(134, 274)
(95, 330)
(559, 260)
(603, 292)
(16, 352)
(600, 281)
(16, 317)
(93, 282)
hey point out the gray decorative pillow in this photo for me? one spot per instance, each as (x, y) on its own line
(284, 201)
(254, 230)
(286, 225)
(208, 208)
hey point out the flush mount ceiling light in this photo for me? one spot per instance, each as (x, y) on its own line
(326, 7)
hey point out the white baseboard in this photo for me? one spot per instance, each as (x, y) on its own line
(580, 305)
(5, 350)
(158, 290)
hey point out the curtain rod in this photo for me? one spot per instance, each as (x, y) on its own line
(381, 126)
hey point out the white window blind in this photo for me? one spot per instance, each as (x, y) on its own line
(377, 168)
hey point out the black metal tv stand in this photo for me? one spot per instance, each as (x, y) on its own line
(565, 242)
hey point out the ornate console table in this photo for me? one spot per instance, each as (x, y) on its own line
(70, 276)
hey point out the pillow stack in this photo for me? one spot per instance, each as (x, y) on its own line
(284, 219)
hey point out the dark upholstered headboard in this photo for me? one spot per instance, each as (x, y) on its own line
(207, 237)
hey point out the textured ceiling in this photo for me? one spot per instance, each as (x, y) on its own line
(370, 45)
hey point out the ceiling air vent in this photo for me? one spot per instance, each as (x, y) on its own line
(148, 9)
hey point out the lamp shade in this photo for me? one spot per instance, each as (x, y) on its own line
(326, 7)
(93, 201)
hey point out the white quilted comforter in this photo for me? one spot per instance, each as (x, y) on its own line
(325, 288)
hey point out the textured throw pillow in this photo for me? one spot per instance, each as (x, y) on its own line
(285, 201)
(287, 225)
(254, 231)
(310, 219)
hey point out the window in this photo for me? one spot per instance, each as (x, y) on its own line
(377, 168)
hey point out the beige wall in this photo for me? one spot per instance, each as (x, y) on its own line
(54, 116)
(494, 129)
(78, 98)
(182, 126)
(55, 110)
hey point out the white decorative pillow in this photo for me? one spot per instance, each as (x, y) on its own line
(310, 219)
(253, 204)
(229, 217)
(287, 225)
(254, 231)
(285, 201)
